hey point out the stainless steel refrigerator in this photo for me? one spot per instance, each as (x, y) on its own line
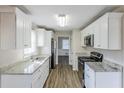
(53, 54)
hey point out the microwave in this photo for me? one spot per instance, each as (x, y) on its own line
(89, 40)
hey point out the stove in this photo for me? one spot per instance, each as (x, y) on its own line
(86, 59)
(94, 57)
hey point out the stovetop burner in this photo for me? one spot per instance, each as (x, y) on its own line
(86, 59)
(94, 57)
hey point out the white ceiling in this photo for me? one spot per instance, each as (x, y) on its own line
(79, 15)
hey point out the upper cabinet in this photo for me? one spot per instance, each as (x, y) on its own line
(115, 30)
(7, 30)
(107, 31)
(27, 31)
(15, 29)
(48, 37)
(44, 37)
(40, 37)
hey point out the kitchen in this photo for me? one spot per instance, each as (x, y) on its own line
(91, 53)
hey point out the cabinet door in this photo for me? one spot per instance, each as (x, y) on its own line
(47, 43)
(115, 29)
(27, 31)
(89, 77)
(103, 24)
(38, 82)
(48, 36)
(19, 29)
(97, 34)
(40, 37)
(45, 72)
(15, 81)
(7, 31)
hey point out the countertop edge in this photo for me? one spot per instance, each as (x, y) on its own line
(5, 73)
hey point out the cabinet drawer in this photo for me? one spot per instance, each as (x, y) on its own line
(37, 82)
(37, 73)
(89, 77)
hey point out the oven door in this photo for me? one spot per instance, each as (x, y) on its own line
(81, 71)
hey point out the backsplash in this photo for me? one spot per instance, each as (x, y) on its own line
(8, 57)
(112, 56)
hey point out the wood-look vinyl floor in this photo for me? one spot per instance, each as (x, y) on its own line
(64, 60)
(63, 77)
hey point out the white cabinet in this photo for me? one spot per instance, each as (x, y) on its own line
(103, 31)
(44, 40)
(41, 75)
(48, 37)
(115, 30)
(15, 81)
(46, 49)
(7, 30)
(103, 79)
(107, 32)
(40, 37)
(23, 30)
(44, 37)
(27, 31)
(15, 29)
(89, 75)
(35, 80)
(19, 29)
(97, 34)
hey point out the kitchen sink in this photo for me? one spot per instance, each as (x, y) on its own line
(40, 58)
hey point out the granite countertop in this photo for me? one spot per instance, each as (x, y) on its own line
(26, 67)
(104, 66)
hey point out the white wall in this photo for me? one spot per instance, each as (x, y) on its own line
(10, 56)
(76, 42)
(77, 50)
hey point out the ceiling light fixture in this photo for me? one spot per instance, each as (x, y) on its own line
(62, 20)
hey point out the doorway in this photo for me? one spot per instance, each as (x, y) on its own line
(63, 50)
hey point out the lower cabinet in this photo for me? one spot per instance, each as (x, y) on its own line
(35, 80)
(95, 79)
(89, 76)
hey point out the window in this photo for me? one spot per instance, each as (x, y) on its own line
(65, 44)
(29, 51)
